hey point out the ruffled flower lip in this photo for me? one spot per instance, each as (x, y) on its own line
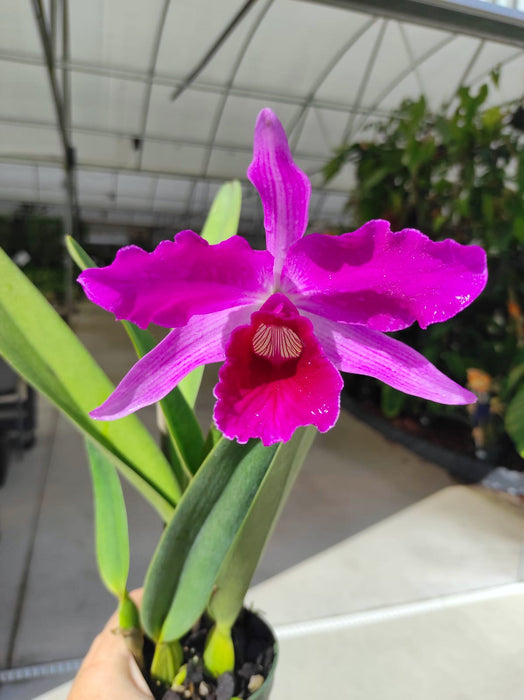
(275, 378)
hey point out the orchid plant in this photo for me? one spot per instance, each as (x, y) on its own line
(284, 322)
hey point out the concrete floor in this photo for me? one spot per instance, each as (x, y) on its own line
(52, 602)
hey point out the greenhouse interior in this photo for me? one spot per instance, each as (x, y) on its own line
(299, 196)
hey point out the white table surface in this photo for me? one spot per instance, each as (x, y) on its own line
(426, 605)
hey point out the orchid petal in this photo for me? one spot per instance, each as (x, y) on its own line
(179, 279)
(360, 350)
(283, 188)
(272, 383)
(200, 342)
(381, 279)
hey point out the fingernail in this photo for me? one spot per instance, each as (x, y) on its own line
(138, 678)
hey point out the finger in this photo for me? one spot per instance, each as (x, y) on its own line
(108, 669)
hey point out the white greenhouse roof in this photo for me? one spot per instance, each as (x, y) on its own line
(326, 68)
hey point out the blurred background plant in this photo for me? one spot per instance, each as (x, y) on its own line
(455, 174)
(34, 240)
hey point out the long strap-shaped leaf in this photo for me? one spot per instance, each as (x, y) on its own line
(111, 532)
(43, 349)
(241, 561)
(183, 427)
(224, 215)
(207, 519)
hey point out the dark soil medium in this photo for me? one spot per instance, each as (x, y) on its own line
(254, 654)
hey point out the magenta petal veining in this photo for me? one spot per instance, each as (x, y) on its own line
(383, 280)
(283, 188)
(360, 350)
(178, 279)
(199, 342)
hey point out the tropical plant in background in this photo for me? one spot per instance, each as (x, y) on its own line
(460, 174)
(35, 240)
(284, 322)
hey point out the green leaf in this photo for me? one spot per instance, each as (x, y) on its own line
(341, 157)
(213, 437)
(514, 420)
(224, 215)
(44, 350)
(167, 660)
(190, 385)
(515, 377)
(111, 533)
(78, 254)
(219, 651)
(456, 364)
(488, 210)
(184, 430)
(495, 75)
(492, 117)
(520, 173)
(241, 561)
(419, 152)
(207, 519)
(375, 178)
(518, 228)
(391, 401)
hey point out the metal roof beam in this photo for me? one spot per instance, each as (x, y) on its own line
(163, 175)
(149, 84)
(50, 65)
(472, 17)
(294, 129)
(364, 82)
(61, 101)
(212, 51)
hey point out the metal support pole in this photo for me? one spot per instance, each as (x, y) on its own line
(69, 230)
(61, 102)
(50, 65)
(70, 183)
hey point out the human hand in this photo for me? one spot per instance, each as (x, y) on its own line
(108, 670)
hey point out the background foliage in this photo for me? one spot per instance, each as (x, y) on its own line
(32, 230)
(456, 174)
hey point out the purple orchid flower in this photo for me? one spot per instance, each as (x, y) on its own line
(286, 320)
